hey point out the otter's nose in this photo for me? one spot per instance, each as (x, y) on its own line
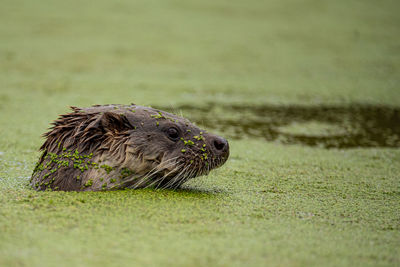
(220, 145)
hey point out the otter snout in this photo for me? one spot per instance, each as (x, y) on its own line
(219, 146)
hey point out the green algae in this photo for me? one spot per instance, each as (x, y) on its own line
(107, 168)
(157, 116)
(188, 142)
(125, 172)
(198, 138)
(270, 204)
(89, 183)
(63, 160)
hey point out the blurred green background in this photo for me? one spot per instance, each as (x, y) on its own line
(271, 204)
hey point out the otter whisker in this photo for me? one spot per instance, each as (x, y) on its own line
(176, 178)
(159, 180)
(173, 178)
(176, 181)
(169, 163)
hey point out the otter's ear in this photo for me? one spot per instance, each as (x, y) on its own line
(109, 121)
(114, 122)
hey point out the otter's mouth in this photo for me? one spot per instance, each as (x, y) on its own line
(193, 157)
(195, 167)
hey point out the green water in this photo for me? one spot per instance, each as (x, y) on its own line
(272, 203)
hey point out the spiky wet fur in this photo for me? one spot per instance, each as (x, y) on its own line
(121, 146)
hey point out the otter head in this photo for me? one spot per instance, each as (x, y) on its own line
(158, 148)
(118, 146)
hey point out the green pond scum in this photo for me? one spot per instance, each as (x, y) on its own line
(307, 93)
(64, 160)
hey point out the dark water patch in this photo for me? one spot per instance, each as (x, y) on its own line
(324, 126)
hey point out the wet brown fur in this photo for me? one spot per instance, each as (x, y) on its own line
(122, 146)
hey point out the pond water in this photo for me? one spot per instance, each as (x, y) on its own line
(325, 126)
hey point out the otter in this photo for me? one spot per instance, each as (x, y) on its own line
(108, 147)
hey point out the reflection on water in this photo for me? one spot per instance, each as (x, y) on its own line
(325, 126)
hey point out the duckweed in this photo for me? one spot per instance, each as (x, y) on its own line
(107, 168)
(125, 172)
(274, 204)
(188, 142)
(89, 183)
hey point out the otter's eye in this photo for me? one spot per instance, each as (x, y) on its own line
(173, 134)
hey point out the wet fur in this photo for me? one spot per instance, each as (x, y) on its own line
(117, 146)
